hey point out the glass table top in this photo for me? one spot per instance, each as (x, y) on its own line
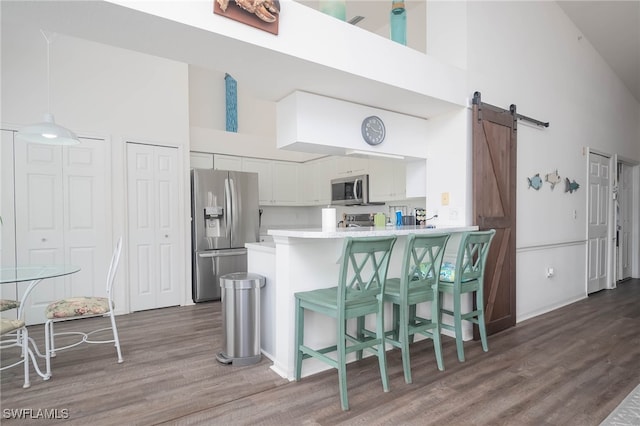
(14, 274)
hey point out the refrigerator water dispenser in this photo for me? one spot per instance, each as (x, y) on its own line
(212, 217)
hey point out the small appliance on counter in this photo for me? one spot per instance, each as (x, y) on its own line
(358, 219)
(421, 216)
(379, 220)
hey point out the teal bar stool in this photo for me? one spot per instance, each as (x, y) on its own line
(361, 282)
(466, 276)
(418, 284)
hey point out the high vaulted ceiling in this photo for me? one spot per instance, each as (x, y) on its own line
(613, 28)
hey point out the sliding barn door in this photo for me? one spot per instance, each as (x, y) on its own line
(494, 207)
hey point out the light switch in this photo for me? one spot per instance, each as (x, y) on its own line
(444, 199)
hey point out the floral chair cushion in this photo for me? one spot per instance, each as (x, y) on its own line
(448, 272)
(8, 325)
(77, 307)
(6, 304)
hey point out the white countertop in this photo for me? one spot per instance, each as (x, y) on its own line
(267, 247)
(371, 231)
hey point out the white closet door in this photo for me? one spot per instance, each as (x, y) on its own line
(62, 216)
(625, 197)
(87, 222)
(155, 261)
(598, 222)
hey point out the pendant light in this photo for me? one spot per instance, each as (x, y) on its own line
(48, 132)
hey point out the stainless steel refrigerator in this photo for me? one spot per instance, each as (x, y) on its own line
(224, 216)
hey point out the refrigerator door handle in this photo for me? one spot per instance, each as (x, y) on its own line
(223, 253)
(234, 209)
(227, 200)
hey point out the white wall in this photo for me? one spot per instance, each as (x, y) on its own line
(449, 168)
(529, 54)
(256, 136)
(99, 91)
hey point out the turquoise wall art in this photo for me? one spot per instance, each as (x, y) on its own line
(231, 97)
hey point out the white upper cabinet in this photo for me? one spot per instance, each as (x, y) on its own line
(416, 179)
(277, 180)
(285, 182)
(265, 178)
(350, 166)
(314, 179)
(227, 162)
(387, 180)
(201, 160)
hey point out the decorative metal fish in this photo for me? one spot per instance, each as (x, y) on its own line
(553, 178)
(571, 187)
(535, 182)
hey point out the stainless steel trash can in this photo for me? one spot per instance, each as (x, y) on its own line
(240, 318)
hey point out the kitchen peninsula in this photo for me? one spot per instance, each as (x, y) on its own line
(307, 259)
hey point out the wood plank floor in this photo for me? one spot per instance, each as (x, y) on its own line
(572, 366)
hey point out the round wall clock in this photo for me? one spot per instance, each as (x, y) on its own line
(373, 130)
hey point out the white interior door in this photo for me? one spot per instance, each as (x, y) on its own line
(62, 207)
(156, 263)
(624, 225)
(598, 222)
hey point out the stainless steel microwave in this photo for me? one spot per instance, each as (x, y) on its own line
(350, 191)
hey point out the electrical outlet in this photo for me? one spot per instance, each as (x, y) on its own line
(550, 272)
(444, 199)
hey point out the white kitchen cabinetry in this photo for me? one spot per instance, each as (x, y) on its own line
(277, 181)
(350, 166)
(314, 182)
(265, 178)
(227, 162)
(416, 185)
(387, 180)
(200, 160)
(285, 183)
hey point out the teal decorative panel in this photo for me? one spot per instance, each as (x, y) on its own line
(231, 92)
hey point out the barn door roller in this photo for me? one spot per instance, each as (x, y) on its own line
(512, 110)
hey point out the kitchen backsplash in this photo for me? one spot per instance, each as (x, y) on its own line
(305, 217)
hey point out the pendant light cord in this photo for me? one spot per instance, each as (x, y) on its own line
(48, 40)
